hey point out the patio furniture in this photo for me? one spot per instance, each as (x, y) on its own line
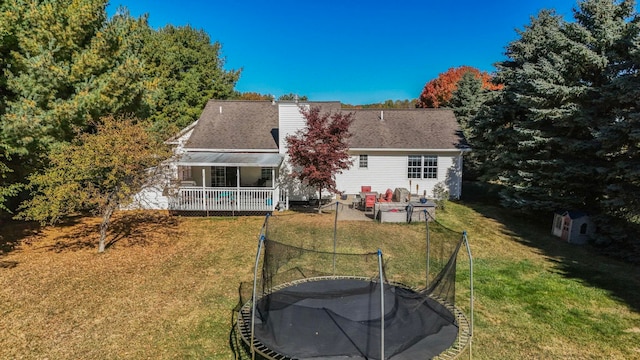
(387, 196)
(369, 201)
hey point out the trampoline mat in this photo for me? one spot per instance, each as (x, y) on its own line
(341, 318)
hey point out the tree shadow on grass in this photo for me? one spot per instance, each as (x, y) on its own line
(127, 229)
(621, 280)
(13, 234)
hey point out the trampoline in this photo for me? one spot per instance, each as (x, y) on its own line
(297, 312)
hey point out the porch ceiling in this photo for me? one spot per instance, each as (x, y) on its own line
(230, 159)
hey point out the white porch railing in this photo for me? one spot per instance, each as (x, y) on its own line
(194, 198)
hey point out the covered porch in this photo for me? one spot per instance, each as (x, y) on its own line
(228, 182)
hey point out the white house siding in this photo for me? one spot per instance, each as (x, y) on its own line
(388, 170)
(290, 121)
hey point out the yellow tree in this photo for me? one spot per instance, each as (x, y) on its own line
(98, 172)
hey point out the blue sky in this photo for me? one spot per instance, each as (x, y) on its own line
(357, 52)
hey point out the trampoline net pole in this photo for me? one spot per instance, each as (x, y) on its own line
(335, 237)
(466, 242)
(255, 285)
(381, 304)
(426, 219)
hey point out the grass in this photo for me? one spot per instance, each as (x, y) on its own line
(166, 287)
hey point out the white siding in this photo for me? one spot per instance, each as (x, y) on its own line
(388, 170)
(290, 120)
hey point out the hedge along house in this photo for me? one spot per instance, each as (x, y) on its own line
(234, 158)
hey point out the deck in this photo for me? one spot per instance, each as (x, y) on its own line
(251, 199)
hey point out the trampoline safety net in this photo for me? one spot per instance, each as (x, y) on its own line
(318, 295)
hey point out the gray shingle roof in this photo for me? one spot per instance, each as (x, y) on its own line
(252, 125)
(405, 129)
(236, 125)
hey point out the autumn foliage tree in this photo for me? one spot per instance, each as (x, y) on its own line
(439, 91)
(97, 172)
(319, 151)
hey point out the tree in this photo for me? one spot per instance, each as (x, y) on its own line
(562, 132)
(253, 96)
(292, 97)
(467, 99)
(186, 71)
(438, 92)
(98, 172)
(319, 151)
(466, 102)
(63, 65)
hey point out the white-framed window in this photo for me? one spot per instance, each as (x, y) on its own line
(363, 161)
(218, 176)
(422, 167)
(430, 164)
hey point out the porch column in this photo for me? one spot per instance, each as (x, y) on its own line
(204, 201)
(237, 188)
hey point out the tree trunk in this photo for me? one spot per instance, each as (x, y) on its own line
(104, 226)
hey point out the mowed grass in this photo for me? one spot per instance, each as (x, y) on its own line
(167, 286)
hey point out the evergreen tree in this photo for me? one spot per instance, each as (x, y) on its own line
(466, 101)
(554, 106)
(64, 64)
(186, 70)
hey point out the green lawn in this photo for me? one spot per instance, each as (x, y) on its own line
(167, 287)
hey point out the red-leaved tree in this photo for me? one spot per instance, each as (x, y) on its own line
(438, 92)
(319, 151)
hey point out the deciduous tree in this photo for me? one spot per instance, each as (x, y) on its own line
(98, 172)
(319, 151)
(438, 92)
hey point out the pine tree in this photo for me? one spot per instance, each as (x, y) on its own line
(466, 102)
(554, 106)
(64, 64)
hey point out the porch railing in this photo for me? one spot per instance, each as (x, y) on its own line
(194, 198)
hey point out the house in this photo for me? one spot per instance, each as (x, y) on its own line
(574, 227)
(233, 158)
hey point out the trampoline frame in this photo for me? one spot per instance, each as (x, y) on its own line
(245, 323)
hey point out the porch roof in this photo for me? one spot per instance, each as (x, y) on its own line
(230, 159)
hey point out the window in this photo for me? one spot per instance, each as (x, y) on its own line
(218, 176)
(415, 167)
(430, 167)
(265, 173)
(422, 167)
(363, 161)
(583, 229)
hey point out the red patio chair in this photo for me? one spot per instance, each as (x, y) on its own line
(369, 201)
(387, 196)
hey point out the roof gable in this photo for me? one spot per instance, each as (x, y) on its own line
(236, 125)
